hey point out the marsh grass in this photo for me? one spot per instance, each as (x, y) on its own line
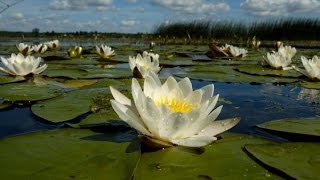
(291, 29)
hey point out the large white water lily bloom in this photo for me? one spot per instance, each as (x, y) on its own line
(105, 51)
(172, 113)
(312, 67)
(277, 60)
(287, 51)
(20, 65)
(145, 63)
(24, 48)
(237, 52)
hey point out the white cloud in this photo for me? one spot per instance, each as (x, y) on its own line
(78, 4)
(193, 6)
(129, 22)
(17, 16)
(279, 7)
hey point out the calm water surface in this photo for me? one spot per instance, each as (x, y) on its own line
(255, 104)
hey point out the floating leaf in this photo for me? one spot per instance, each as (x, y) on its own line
(67, 154)
(223, 159)
(78, 83)
(223, 73)
(97, 119)
(5, 104)
(298, 160)
(115, 73)
(28, 92)
(310, 126)
(10, 79)
(255, 69)
(310, 85)
(68, 106)
(73, 73)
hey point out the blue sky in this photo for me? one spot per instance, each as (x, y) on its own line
(133, 16)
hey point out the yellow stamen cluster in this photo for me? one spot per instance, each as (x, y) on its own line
(176, 105)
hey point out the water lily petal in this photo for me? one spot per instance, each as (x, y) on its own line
(129, 117)
(194, 141)
(40, 69)
(217, 127)
(118, 96)
(185, 86)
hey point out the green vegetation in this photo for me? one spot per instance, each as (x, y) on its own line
(280, 29)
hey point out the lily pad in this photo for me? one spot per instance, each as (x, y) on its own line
(100, 118)
(310, 85)
(223, 159)
(4, 105)
(78, 83)
(266, 71)
(28, 92)
(76, 61)
(297, 160)
(221, 73)
(67, 154)
(10, 79)
(73, 73)
(68, 106)
(115, 73)
(310, 126)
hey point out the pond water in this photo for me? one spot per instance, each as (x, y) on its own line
(255, 104)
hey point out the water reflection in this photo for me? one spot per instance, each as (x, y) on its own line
(256, 104)
(20, 120)
(310, 95)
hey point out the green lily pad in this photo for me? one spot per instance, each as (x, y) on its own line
(221, 73)
(297, 160)
(100, 118)
(68, 106)
(310, 85)
(266, 71)
(115, 73)
(73, 73)
(79, 83)
(223, 159)
(310, 126)
(28, 92)
(76, 61)
(67, 154)
(5, 104)
(10, 79)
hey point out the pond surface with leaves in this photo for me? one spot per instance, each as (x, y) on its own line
(60, 124)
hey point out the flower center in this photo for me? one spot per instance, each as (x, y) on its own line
(176, 105)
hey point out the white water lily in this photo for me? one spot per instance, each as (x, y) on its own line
(287, 51)
(20, 65)
(237, 52)
(52, 44)
(277, 60)
(105, 51)
(40, 48)
(172, 113)
(145, 63)
(24, 48)
(312, 67)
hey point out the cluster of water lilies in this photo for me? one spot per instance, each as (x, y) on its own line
(27, 49)
(282, 59)
(234, 51)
